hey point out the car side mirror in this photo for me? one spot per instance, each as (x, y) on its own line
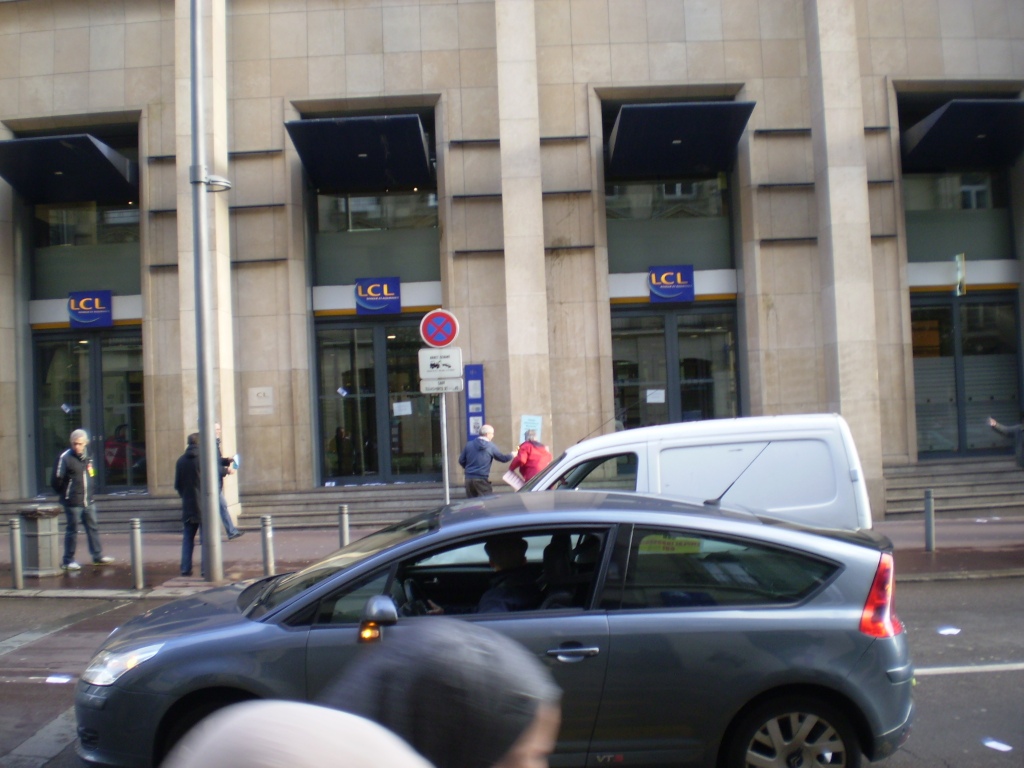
(379, 612)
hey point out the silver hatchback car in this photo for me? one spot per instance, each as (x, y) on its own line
(679, 635)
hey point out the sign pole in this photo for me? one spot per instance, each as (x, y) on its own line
(444, 449)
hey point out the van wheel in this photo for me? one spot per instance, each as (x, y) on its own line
(792, 732)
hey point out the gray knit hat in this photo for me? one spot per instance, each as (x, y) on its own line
(461, 694)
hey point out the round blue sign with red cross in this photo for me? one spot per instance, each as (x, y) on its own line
(438, 328)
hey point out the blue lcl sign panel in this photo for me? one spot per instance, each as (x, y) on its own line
(378, 296)
(90, 309)
(670, 283)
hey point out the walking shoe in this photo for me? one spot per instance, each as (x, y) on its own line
(236, 535)
(72, 566)
(105, 560)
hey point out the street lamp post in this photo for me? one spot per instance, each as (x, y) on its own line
(200, 179)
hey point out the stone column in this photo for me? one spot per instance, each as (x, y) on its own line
(219, 334)
(844, 230)
(522, 215)
(10, 412)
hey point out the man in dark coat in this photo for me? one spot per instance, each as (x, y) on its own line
(186, 483)
(73, 478)
(476, 460)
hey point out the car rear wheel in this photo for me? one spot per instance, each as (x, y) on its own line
(792, 732)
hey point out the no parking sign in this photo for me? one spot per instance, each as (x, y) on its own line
(439, 328)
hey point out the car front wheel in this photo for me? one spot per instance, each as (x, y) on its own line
(792, 732)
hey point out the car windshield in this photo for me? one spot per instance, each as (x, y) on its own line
(541, 478)
(290, 584)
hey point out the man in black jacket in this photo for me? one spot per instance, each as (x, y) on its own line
(186, 483)
(73, 477)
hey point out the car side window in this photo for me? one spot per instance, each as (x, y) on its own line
(346, 605)
(557, 570)
(606, 473)
(678, 569)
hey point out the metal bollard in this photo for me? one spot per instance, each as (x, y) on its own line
(268, 545)
(17, 571)
(343, 533)
(929, 521)
(136, 553)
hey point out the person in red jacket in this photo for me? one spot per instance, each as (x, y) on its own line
(533, 456)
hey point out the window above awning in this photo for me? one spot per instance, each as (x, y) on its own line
(671, 141)
(966, 134)
(364, 154)
(68, 169)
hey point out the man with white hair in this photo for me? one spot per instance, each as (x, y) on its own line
(476, 460)
(73, 478)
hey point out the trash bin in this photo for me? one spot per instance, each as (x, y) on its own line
(41, 539)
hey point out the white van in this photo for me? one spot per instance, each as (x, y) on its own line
(801, 468)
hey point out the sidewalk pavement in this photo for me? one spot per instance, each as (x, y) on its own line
(965, 549)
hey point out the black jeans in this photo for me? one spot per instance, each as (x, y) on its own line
(478, 486)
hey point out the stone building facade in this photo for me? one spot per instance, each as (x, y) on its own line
(806, 172)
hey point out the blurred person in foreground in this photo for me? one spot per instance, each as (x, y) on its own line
(462, 695)
(290, 734)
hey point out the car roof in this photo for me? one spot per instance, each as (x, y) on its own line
(745, 425)
(558, 504)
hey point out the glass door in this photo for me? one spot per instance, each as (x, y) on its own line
(966, 367)
(674, 365)
(414, 419)
(375, 428)
(124, 414)
(348, 404)
(92, 381)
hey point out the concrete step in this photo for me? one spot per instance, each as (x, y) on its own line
(987, 487)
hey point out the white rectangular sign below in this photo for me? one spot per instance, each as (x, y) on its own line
(444, 363)
(440, 386)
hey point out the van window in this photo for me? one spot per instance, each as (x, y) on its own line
(605, 473)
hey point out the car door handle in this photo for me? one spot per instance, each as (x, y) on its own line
(572, 655)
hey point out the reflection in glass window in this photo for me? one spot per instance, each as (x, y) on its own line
(977, 190)
(684, 198)
(356, 213)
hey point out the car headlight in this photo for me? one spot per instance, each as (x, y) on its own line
(107, 666)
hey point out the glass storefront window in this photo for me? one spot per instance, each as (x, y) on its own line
(353, 213)
(685, 198)
(80, 245)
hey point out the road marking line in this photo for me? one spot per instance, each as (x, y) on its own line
(48, 742)
(27, 638)
(970, 668)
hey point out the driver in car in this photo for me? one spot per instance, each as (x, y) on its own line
(514, 586)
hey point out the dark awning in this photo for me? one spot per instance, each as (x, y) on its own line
(363, 154)
(68, 169)
(964, 134)
(669, 141)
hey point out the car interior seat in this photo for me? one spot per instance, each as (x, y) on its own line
(556, 578)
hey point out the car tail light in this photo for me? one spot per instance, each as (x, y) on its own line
(879, 619)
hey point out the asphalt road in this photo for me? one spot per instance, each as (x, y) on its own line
(966, 637)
